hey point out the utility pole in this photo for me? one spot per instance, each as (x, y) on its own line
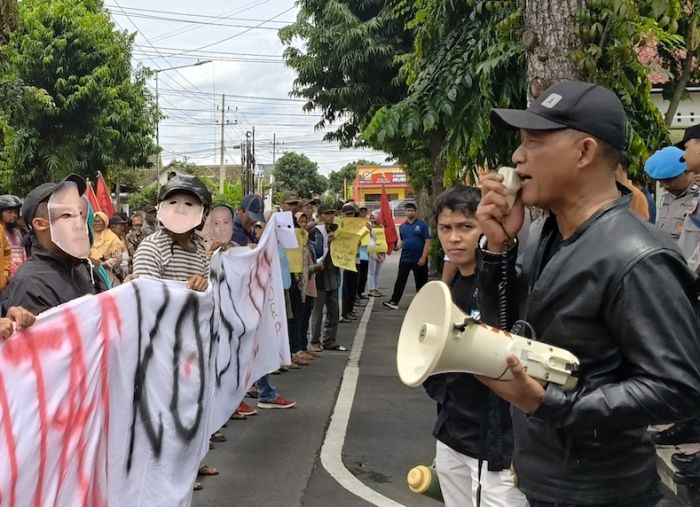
(252, 166)
(222, 168)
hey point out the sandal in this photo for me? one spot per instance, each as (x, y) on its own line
(207, 470)
(217, 437)
(316, 347)
(197, 486)
(237, 416)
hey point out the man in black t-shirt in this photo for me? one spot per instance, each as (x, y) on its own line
(464, 403)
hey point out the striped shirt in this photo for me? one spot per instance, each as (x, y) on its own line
(158, 256)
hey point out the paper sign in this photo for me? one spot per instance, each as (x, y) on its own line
(296, 255)
(380, 245)
(354, 225)
(344, 250)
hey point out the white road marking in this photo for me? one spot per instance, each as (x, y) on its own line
(331, 451)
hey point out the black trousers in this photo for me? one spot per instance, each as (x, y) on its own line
(349, 291)
(302, 324)
(294, 324)
(420, 275)
(362, 277)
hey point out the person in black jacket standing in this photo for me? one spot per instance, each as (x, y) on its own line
(464, 404)
(58, 269)
(600, 282)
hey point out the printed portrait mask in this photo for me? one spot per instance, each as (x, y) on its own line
(180, 213)
(221, 223)
(68, 212)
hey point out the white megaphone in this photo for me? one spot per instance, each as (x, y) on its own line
(437, 337)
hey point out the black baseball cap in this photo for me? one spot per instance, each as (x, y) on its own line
(690, 133)
(325, 208)
(117, 220)
(43, 192)
(586, 107)
(149, 208)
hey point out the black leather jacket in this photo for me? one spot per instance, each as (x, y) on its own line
(619, 295)
(45, 281)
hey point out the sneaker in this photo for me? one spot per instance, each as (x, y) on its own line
(390, 304)
(246, 410)
(278, 402)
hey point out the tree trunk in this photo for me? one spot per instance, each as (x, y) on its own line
(9, 18)
(680, 88)
(438, 165)
(549, 37)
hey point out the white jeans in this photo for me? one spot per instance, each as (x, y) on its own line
(374, 269)
(459, 479)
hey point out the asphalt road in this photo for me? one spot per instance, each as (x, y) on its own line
(273, 459)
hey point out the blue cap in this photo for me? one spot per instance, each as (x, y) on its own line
(665, 164)
(254, 206)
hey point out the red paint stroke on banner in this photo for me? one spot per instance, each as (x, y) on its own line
(9, 442)
(77, 412)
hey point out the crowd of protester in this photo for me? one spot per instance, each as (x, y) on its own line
(583, 256)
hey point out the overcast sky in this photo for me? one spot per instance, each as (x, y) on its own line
(241, 37)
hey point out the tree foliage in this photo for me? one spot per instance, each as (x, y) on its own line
(337, 180)
(294, 171)
(76, 106)
(465, 58)
(346, 68)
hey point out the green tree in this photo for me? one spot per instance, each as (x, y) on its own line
(294, 171)
(344, 176)
(346, 69)
(680, 60)
(472, 56)
(78, 108)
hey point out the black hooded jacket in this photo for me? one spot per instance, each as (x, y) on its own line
(45, 281)
(619, 296)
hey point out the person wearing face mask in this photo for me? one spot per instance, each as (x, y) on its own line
(58, 269)
(173, 252)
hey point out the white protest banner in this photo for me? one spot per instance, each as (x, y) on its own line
(110, 399)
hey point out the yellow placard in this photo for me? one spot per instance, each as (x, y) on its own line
(352, 224)
(296, 255)
(380, 244)
(344, 250)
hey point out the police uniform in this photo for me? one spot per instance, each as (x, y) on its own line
(672, 217)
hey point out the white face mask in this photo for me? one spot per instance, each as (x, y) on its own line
(68, 221)
(180, 213)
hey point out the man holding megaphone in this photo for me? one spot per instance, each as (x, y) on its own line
(598, 282)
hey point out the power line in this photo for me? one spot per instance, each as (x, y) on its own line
(186, 29)
(257, 98)
(239, 33)
(203, 16)
(194, 22)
